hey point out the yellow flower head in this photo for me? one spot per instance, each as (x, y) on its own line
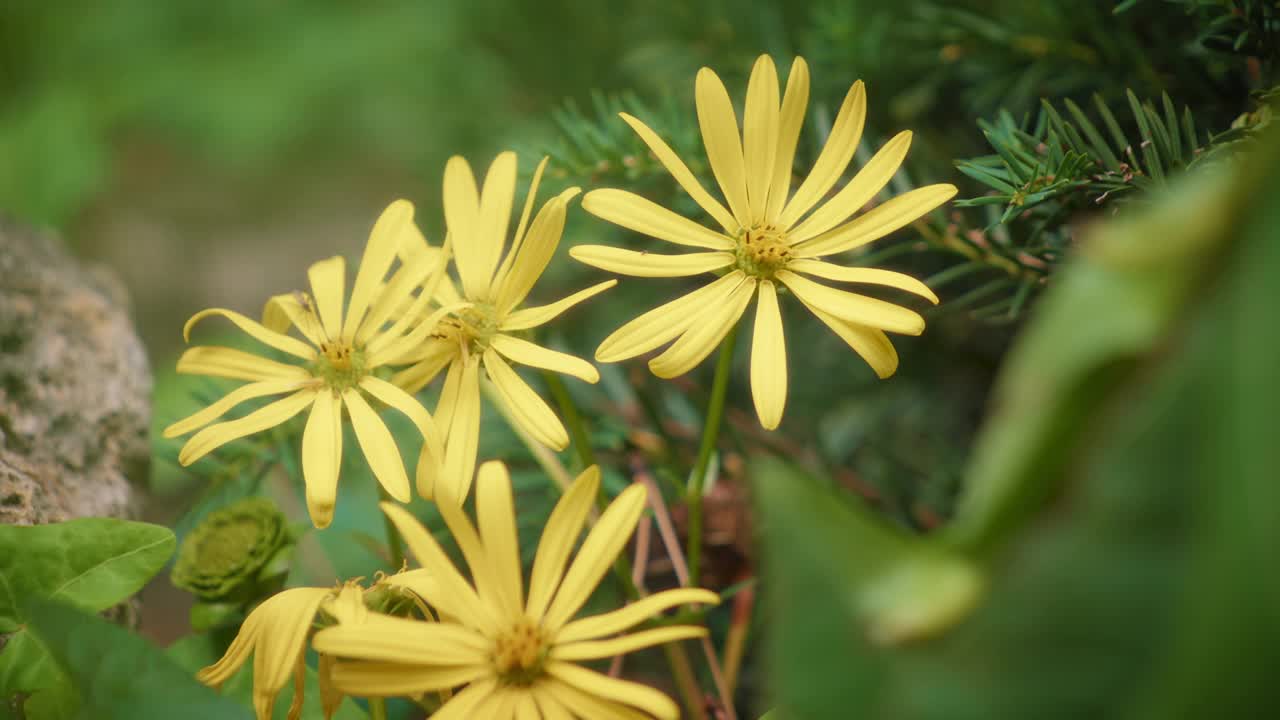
(333, 369)
(484, 334)
(767, 236)
(517, 655)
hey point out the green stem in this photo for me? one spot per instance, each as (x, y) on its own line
(572, 418)
(710, 433)
(394, 542)
(378, 708)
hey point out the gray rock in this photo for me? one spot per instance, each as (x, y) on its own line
(75, 387)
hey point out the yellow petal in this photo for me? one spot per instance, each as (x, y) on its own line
(496, 516)
(230, 400)
(462, 439)
(704, 334)
(854, 308)
(464, 705)
(665, 322)
(377, 679)
(395, 299)
(421, 582)
(620, 691)
(645, 264)
(462, 216)
(531, 317)
(549, 707)
(858, 192)
(517, 240)
(214, 436)
(330, 696)
(760, 134)
(413, 315)
(559, 536)
(719, 125)
(584, 704)
(598, 552)
(451, 594)
(496, 199)
(237, 653)
(379, 448)
(526, 708)
(527, 353)
(533, 255)
(437, 354)
(871, 344)
(379, 354)
(292, 309)
(877, 222)
(599, 649)
(322, 457)
(299, 689)
(768, 359)
(870, 276)
(484, 572)
(258, 332)
(235, 364)
(400, 640)
(379, 253)
(794, 102)
(644, 216)
(328, 287)
(528, 409)
(834, 158)
(682, 175)
(598, 626)
(431, 457)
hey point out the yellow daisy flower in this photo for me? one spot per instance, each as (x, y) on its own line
(516, 655)
(334, 369)
(767, 236)
(485, 334)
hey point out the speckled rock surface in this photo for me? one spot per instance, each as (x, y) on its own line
(75, 386)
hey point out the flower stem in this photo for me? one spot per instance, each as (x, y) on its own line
(572, 418)
(377, 708)
(395, 544)
(710, 433)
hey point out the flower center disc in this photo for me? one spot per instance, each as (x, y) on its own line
(762, 251)
(473, 327)
(340, 365)
(519, 653)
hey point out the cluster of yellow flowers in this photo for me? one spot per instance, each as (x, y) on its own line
(490, 649)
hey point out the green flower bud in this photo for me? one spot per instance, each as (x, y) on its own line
(234, 551)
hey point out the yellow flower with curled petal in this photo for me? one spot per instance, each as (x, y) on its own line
(768, 236)
(334, 369)
(484, 335)
(517, 655)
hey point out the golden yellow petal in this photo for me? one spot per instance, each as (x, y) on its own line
(464, 705)
(328, 287)
(379, 679)
(532, 317)
(704, 334)
(760, 134)
(645, 264)
(598, 552)
(877, 222)
(287, 618)
(794, 102)
(525, 214)
(235, 364)
(379, 448)
(431, 457)
(532, 256)
(620, 691)
(496, 199)
(623, 619)
(870, 276)
(299, 688)
(600, 649)
(451, 593)
(257, 331)
(854, 308)
(527, 408)
(436, 355)
(322, 457)
(400, 640)
(237, 653)
(462, 439)
(484, 571)
(496, 516)
(559, 535)
(292, 309)
(533, 355)
(210, 438)
(665, 322)
(330, 695)
(647, 217)
(548, 706)
(683, 175)
(584, 704)
(421, 582)
(870, 180)
(871, 344)
(768, 359)
(228, 401)
(834, 158)
(719, 125)
(396, 299)
(379, 253)
(526, 708)
(462, 216)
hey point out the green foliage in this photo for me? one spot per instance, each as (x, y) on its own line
(91, 564)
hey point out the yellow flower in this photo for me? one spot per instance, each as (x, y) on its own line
(765, 237)
(484, 335)
(333, 370)
(517, 655)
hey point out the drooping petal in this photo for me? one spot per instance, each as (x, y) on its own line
(858, 192)
(292, 309)
(436, 355)
(834, 158)
(872, 345)
(496, 516)
(496, 198)
(214, 436)
(328, 288)
(463, 436)
(768, 359)
(559, 535)
(646, 264)
(681, 173)
(379, 679)
(431, 458)
(462, 216)
(616, 621)
(385, 638)
(257, 331)
(235, 364)
(854, 308)
(791, 120)
(599, 649)
(666, 321)
(584, 704)
(534, 254)
(379, 253)
(870, 276)
(533, 355)
(322, 456)
(237, 652)
(621, 691)
(703, 335)
(378, 446)
(760, 134)
(719, 125)
(451, 594)
(649, 218)
(598, 552)
(528, 409)
(235, 397)
(532, 317)
(877, 222)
